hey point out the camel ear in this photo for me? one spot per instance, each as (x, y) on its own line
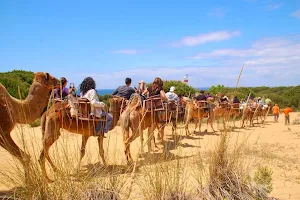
(47, 76)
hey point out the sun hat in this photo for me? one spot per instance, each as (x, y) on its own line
(172, 89)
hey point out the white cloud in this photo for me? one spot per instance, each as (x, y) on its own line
(296, 14)
(274, 6)
(269, 47)
(217, 12)
(269, 61)
(205, 38)
(126, 51)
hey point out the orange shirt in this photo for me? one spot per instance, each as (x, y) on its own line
(287, 110)
(275, 110)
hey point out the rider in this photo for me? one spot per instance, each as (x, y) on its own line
(236, 100)
(201, 96)
(87, 89)
(142, 87)
(171, 95)
(156, 89)
(64, 92)
(124, 91)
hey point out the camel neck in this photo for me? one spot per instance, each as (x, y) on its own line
(30, 109)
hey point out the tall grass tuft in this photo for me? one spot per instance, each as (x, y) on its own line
(228, 176)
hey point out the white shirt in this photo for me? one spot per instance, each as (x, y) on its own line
(96, 105)
(172, 96)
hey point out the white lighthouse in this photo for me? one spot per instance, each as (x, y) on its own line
(186, 79)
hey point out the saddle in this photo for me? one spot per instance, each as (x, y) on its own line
(154, 103)
(171, 106)
(223, 104)
(201, 104)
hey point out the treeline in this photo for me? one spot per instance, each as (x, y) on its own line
(283, 96)
(17, 79)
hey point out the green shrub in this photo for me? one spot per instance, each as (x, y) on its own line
(17, 78)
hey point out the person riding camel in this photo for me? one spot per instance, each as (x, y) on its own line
(172, 96)
(201, 96)
(142, 87)
(156, 89)
(87, 90)
(236, 100)
(63, 91)
(124, 91)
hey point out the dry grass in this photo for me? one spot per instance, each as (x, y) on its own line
(228, 174)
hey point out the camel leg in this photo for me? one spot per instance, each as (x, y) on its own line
(161, 132)
(174, 126)
(141, 134)
(127, 145)
(82, 149)
(101, 149)
(83, 145)
(51, 134)
(211, 120)
(150, 137)
(196, 125)
(188, 119)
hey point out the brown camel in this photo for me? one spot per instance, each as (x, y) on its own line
(247, 115)
(53, 120)
(13, 111)
(195, 113)
(222, 111)
(136, 119)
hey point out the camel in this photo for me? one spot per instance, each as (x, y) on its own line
(13, 111)
(195, 113)
(135, 118)
(52, 122)
(247, 115)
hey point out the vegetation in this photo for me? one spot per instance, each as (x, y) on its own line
(228, 176)
(17, 79)
(283, 96)
(180, 88)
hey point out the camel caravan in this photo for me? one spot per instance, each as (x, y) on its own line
(133, 109)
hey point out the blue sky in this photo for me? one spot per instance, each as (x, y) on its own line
(111, 40)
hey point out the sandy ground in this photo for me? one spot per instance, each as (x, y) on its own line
(273, 144)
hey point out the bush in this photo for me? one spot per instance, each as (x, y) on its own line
(17, 79)
(180, 88)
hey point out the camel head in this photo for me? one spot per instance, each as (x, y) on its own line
(46, 79)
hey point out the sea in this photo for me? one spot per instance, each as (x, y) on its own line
(110, 91)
